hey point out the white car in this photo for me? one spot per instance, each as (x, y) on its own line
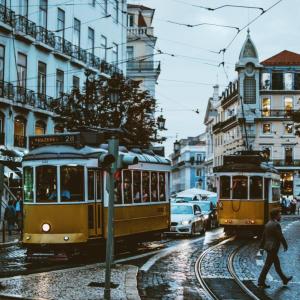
(187, 218)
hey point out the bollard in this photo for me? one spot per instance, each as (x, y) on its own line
(3, 232)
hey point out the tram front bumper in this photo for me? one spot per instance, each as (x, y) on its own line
(54, 238)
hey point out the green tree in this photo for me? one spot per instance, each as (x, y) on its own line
(92, 109)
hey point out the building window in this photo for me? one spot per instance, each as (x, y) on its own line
(91, 40)
(76, 83)
(130, 20)
(40, 128)
(23, 8)
(288, 128)
(198, 172)
(249, 90)
(116, 11)
(130, 56)
(22, 70)
(266, 128)
(58, 129)
(92, 2)
(115, 54)
(265, 81)
(60, 22)
(20, 132)
(277, 81)
(77, 27)
(288, 81)
(288, 155)
(266, 151)
(103, 46)
(297, 81)
(59, 83)
(43, 13)
(288, 104)
(42, 69)
(266, 107)
(2, 56)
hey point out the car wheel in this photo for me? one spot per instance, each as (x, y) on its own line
(193, 230)
(203, 228)
(208, 224)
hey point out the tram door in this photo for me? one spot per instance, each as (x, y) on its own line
(267, 196)
(94, 202)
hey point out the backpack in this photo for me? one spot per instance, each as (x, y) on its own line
(9, 214)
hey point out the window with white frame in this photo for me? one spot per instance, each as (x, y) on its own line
(23, 8)
(22, 69)
(288, 103)
(60, 22)
(59, 83)
(115, 54)
(198, 172)
(266, 151)
(249, 90)
(130, 20)
(91, 40)
(265, 81)
(77, 29)
(266, 107)
(103, 45)
(116, 10)
(288, 81)
(288, 128)
(266, 128)
(43, 13)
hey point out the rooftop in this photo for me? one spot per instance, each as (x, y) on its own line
(283, 58)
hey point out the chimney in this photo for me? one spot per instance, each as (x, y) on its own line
(216, 93)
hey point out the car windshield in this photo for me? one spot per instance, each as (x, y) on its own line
(183, 199)
(205, 206)
(182, 210)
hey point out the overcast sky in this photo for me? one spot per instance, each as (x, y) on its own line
(185, 83)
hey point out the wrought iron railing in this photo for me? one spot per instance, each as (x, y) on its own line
(143, 65)
(20, 141)
(26, 26)
(276, 113)
(7, 16)
(285, 162)
(79, 53)
(63, 46)
(45, 36)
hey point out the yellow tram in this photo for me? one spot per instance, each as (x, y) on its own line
(248, 188)
(66, 194)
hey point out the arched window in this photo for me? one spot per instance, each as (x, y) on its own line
(58, 129)
(20, 132)
(2, 134)
(249, 90)
(40, 128)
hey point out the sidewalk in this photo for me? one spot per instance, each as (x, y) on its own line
(9, 240)
(75, 283)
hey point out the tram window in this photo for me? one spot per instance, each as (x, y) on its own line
(46, 184)
(146, 187)
(72, 183)
(239, 187)
(224, 187)
(275, 191)
(91, 185)
(99, 185)
(137, 187)
(28, 184)
(154, 192)
(162, 187)
(127, 186)
(256, 187)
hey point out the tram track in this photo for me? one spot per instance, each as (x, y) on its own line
(224, 283)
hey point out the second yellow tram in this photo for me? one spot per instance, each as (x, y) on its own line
(248, 188)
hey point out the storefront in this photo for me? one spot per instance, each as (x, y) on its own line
(287, 183)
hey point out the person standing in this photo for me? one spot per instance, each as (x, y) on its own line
(10, 216)
(272, 238)
(19, 210)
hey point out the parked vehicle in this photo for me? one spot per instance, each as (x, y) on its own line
(209, 211)
(187, 218)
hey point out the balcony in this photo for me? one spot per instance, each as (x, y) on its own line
(285, 163)
(21, 95)
(7, 16)
(93, 61)
(281, 113)
(62, 46)
(221, 125)
(139, 32)
(20, 141)
(144, 66)
(79, 54)
(45, 37)
(26, 27)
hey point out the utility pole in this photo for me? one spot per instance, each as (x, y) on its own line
(1, 186)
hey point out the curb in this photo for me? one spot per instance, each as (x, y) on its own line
(8, 244)
(131, 283)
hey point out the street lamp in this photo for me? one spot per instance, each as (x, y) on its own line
(113, 149)
(176, 146)
(161, 121)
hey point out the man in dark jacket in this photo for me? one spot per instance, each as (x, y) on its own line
(272, 238)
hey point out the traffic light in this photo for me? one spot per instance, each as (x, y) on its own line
(126, 160)
(106, 159)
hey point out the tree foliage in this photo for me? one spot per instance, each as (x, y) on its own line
(134, 112)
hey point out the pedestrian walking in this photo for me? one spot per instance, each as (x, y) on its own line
(10, 216)
(272, 238)
(19, 210)
(293, 206)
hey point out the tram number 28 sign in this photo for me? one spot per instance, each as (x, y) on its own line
(55, 139)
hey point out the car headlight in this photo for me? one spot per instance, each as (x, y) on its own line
(206, 217)
(185, 222)
(46, 227)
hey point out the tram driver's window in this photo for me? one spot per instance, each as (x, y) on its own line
(91, 185)
(28, 184)
(162, 187)
(46, 184)
(137, 197)
(224, 187)
(127, 186)
(71, 183)
(146, 187)
(239, 187)
(154, 191)
(256, 187)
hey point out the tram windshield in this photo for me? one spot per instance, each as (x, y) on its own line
(46, 184)
(256, 187)
(71, 183)
(239, 187)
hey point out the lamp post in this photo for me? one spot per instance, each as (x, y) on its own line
(176, 146)
(113, 149)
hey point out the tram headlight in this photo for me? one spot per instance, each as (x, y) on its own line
(46, 227)
(66, 238)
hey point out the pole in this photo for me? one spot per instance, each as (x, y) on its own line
(1, 186)
(113, 148)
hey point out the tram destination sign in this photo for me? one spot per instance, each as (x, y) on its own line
(70, 139)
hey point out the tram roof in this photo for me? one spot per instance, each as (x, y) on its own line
(86, 152)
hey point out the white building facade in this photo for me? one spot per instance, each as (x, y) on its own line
(45, 49)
